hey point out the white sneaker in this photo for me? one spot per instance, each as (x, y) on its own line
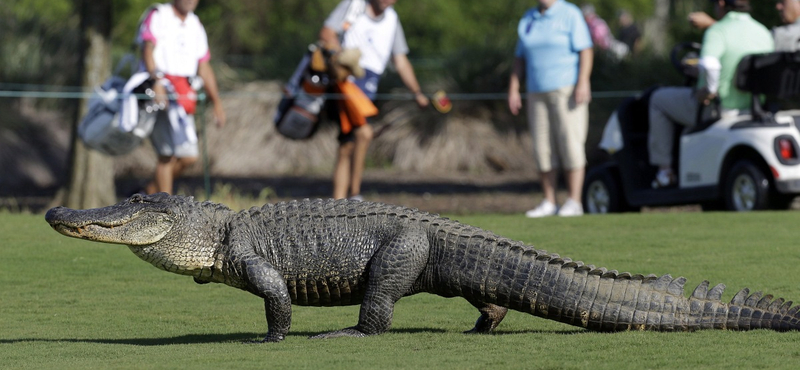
(664, 179)
(570, 208)
(546, 208)
(357, 198)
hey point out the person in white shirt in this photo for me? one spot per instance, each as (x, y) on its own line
(787, 37)
(374, 28)
(175, 48)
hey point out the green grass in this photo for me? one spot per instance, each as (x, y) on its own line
(72, 304)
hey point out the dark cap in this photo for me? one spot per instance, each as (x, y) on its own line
(737, 5)
(727, 2)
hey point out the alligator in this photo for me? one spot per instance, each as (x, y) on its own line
(340, 252)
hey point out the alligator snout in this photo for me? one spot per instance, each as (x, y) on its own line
(54, 214)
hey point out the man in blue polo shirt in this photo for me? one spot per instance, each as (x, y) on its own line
(554, 53)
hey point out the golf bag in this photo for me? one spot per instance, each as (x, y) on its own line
(299, 111)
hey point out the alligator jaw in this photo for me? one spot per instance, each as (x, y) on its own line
(140, 228)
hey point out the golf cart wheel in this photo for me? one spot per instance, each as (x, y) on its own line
(601, 193)
(746, 188)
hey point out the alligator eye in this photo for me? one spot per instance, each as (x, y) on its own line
(136, 198)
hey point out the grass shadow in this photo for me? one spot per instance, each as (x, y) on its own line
(181, 339)
(538, 331)
(191, 338)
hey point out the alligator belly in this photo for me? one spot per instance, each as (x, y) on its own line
(326, 292)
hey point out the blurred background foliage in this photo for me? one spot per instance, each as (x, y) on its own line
(465, 39)
(464, 46)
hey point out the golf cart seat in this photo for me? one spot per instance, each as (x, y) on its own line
(773, 75)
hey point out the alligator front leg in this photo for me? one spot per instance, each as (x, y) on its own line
(393, 270)
(266, 282)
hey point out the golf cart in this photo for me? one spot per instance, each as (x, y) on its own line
(738, 163)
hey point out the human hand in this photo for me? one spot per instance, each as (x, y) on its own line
(700, 20)
(421, 99)
(219, 115)
(514, 102)
(704, 96)
(161, 97)
(583, 93)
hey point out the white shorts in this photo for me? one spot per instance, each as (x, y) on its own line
(165, 145)
(559, 127)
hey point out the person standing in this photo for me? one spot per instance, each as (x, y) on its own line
(554, 54)
(628, 31)
(174, 48)
(376, 31)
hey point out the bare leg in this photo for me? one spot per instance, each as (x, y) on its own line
(181, 165)
(167, 170)
(341, 174)
(151, 188)
(575, 183)
(162, 181)
(363, 137)
(549, 185)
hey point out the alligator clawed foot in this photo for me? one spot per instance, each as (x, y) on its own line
(349, 332)
(477, 331)
(268, 339)
(488, 321)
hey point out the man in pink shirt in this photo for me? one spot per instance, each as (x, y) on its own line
(175, 49)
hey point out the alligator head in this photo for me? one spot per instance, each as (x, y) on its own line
(173, 233)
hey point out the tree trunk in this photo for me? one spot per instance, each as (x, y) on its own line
(91, 179)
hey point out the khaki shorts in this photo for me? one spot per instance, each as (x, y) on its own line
(559, 127)
(165, 145)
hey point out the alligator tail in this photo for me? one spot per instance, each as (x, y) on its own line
(757, 311)
(486, 269)
(510, 274)
(602, 300)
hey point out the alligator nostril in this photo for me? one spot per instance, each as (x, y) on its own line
(52, 213)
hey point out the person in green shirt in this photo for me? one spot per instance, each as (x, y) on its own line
(735, 35)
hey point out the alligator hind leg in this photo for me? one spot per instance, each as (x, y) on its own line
(392, 272)
(491, 315)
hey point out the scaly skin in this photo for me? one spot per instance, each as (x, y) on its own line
(330, 253)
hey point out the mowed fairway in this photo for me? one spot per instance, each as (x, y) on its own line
(72, 304)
